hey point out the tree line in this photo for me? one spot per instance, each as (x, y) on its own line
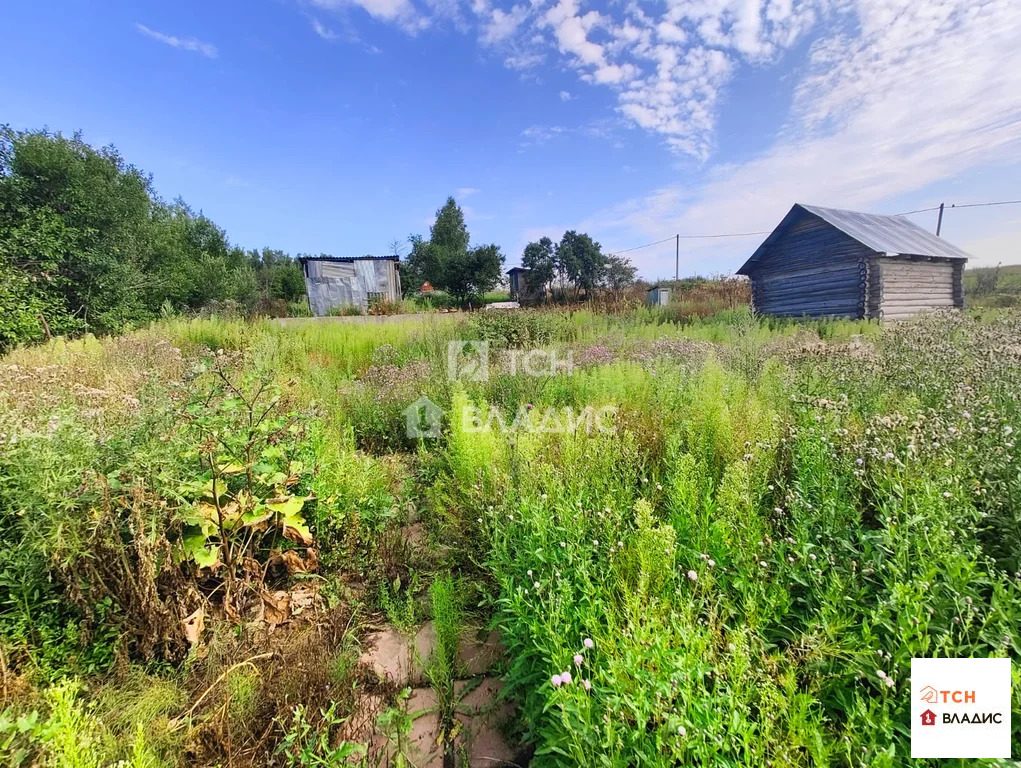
(575, 265)
(572, 268)
(86, 245)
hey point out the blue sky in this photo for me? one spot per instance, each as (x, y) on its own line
(338, 125)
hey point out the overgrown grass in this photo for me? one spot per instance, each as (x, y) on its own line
(737, 571)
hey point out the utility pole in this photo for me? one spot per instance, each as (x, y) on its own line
(677, 259)
(939, 220)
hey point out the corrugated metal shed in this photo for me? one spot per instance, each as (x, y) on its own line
(332, 282)
(890, 235)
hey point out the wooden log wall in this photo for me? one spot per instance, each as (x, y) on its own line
(911, 285)
(815, 270)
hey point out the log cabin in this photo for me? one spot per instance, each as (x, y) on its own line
(827, 262)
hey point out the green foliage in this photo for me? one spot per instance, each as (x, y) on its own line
(517, 329)
(449, 262)
(782, 510)
(540, 259)
(86, 245)
(441, 667)
(581, 260)
(306, 746)
(399, 603)
(244, 499)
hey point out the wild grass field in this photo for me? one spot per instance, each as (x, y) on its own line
(221, 545)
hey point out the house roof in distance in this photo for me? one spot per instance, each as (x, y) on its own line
(889, 235)
(347, 259)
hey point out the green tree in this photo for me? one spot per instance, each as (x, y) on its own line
(620, 273)
(540, 259)
(450, 262)
(471, 274)
(74, 219)
(581, 260)
(277, 274)
(85, 245)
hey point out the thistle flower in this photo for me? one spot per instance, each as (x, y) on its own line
(692, 576)
(578, 659)
(588, 642)
(556, 680)
(587, 684)
(681, 731)
(565, 677)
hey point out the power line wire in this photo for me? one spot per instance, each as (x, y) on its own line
(647, 245)
(749, 234)
(962, 205)
(688, 237)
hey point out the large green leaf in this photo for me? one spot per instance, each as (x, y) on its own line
(197, 547)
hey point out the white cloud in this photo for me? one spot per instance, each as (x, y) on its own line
(463, 192)
(323, 31)
(502, 24)
(524, 61)
(894, 95)
(400, 12)
(183, 43)
(540, 134)
(921, 95)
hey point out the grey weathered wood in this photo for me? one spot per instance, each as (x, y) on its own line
(810, 266)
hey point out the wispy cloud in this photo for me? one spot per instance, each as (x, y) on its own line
(322, 30)
(463, 192)
(540, 134)
(403, 13)
(894, 95)
(866, 127)
(183, 43)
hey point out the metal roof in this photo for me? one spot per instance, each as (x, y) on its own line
(347, 259)
(889, 235)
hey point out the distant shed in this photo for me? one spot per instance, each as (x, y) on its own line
(830, 262)
(658, 295)
(334, 282)
(517, 280)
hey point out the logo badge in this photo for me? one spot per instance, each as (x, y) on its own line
(960, 708)
(468, 360)
(423, 418)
